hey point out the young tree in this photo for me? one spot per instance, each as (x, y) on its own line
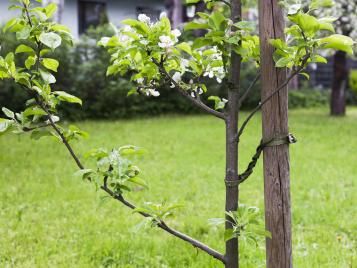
(153, 55)
(346, 24)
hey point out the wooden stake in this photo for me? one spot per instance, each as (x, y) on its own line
(275, 123)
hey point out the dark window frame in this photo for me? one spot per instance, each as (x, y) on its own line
(83, 25)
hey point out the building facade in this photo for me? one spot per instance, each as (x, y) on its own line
(78, 15)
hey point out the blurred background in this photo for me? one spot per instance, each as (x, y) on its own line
(83, 67)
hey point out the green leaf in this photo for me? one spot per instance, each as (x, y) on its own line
(5, 125)
(24, 49)
(283, 62)
(338, 42)
(50, 64)
(315, 4)
(306, 75)
(308, 24)
(50, 10)
(47, 77)
(184, 46)
(318, 59)
(245, 25)
(195, 26)
(8, 113)
(138, 181)
(141, 27)
(84, 173)
(9, 24)
(24, 33)
(192, 1)
(229, 234)
(30, 61)
(52, 40)
(64, 96)
(34, 111)
(38, 134)
(218, 102)
(216, 19)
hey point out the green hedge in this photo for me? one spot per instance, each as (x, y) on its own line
(83, 73)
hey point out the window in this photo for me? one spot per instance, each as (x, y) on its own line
(90, 13)
(152, 13)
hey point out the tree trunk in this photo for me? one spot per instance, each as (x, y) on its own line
(339, 83)
(175, 11)
(275, 124)
(232, 257)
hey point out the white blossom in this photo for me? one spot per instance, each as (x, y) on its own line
(144, 42)
(144, 18)
(152, 92)
(54, 119)
(127, 28)
(176, 33)
(140, 80)
(165, 41)
(163, 15)
(177, 77)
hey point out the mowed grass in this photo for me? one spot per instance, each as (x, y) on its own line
(49, 218)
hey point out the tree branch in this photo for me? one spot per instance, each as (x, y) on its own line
(259, 106)
(120, 198)
(59, 132)
(184, 93)
(246, 93)
(168, 229)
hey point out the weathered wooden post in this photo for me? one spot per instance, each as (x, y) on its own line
(275, 124)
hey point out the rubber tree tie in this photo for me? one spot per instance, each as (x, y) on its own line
(289, 139)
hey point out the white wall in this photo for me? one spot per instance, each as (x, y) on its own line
(6, 14)
(117, 11)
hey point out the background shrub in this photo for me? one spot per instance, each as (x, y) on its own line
(83, 73)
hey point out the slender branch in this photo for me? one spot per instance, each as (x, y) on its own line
(282, 86)
(246, 93)
(168, 229)
(184, 93)
(59, 132)
(120, 198)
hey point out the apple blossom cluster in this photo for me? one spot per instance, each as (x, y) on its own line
(142, 44)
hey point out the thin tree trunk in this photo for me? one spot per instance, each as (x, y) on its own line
(232, 257)
(340, 78)
(175, 11)
(275, 124)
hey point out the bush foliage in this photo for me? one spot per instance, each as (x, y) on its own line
(82, 73)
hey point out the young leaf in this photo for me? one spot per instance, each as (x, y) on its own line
(5, 125)
(339, 42)
(47, 77)
(50, 64)
(24, 49)
(64, 96)
(30, 61)
(50, 10)
(51, 40)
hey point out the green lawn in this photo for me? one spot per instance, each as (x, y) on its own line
(49, 218)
